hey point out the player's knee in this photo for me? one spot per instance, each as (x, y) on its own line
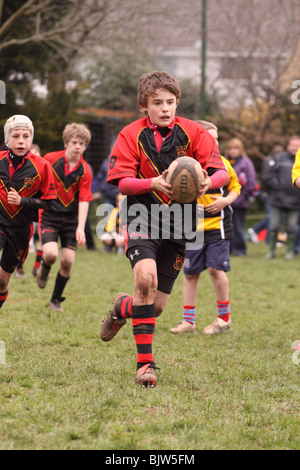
(66, 265)
(146, 283)
(215, 273)
(50, 258)
(211, 271)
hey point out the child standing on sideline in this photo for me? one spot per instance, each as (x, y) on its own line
(26, 185)
(112, 236)
(66, 218)
(138, 164)
(246, 174)
(213, 256)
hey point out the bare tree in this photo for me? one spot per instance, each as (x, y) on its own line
(59, 25)
(256, 43)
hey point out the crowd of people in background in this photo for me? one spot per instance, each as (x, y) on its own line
(281, 201)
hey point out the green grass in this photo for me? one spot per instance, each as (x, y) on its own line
(62, 388)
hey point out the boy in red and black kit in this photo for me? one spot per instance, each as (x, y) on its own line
(66, 218)
(26, 185)
(138, 164)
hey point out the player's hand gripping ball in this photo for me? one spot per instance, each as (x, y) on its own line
(185, 174)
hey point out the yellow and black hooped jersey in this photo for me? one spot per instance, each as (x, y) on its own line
(218, 226)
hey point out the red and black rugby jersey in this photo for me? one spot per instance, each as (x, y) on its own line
(72, 186)
(136, 154)
(33, 178)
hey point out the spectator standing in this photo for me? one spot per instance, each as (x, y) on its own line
(108, 192)
(265, 198)
(112, 236)
(296, 184)
(246, 174)
(284, 198)
(100, 185)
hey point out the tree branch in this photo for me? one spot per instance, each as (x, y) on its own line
(35, 9)
(9, 23)
(1, 9)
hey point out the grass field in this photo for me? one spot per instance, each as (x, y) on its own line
(62, 388)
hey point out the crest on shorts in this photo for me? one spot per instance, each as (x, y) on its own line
(178, 262)
(181, 150)
(28, 182)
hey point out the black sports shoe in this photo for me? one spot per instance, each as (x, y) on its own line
(55, 304)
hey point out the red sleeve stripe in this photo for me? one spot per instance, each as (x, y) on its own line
(216, 162)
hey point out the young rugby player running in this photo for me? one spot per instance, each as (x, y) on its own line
(138, 163)
(66, 218)
(26, 185)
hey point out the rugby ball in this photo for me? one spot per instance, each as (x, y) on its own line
(185, 176)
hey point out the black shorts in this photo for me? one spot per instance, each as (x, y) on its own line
(54, 226)
(14, 243)
(168, 254)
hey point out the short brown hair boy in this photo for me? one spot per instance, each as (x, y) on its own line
(150, 82)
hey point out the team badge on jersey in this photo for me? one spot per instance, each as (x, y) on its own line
(178, 262)
(181, 151)
(28, 182)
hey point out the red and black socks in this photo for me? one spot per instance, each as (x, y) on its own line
(143, 322)
(3, 297)
(38, 259)
(123, 306)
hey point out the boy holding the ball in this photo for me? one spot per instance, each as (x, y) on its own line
(138, 165)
